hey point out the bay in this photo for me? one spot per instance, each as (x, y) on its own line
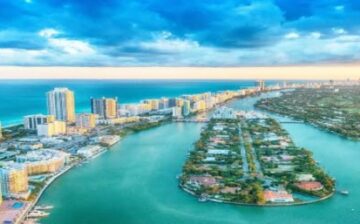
(136, 182)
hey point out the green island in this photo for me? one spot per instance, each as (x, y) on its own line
(335, 108)
(248, 158)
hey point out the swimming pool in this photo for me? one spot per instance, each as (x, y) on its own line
(17, 205)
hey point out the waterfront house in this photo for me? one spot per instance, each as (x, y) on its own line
(206, 181)
(280, 196)
(305, 177)
(310, 185)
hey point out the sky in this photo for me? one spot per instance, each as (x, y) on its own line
(190, 33)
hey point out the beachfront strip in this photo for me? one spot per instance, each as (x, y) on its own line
(32, 155)
(248, 158)
(334, 107)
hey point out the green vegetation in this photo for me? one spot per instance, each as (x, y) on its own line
(335, 109)
(239, 160)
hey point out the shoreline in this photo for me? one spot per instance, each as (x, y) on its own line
(315, 125)
(52, 179)
(260, 205)
(40, 194)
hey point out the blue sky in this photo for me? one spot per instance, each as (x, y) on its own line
(179, 32)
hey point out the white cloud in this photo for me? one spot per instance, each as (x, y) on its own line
(339, 31)
(48, 32)
(315, 35)
(71, 46)
(28, 1)
(65, 45)
(292, 36)
(165, 42)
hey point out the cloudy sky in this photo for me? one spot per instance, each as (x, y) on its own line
(179, 32)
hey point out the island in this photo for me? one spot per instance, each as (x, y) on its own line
(248, 158)
(333, 108)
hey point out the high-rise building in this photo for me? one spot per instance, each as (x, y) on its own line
(186, 108)
(86, 120)
(261, 84)
(106, 108)
(172, 102)
(176, 112)
(13, 179)
(51, 129)
(61, 104)
(164, 103)
(32, 121)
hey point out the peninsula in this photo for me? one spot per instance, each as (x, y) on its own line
(248, 158)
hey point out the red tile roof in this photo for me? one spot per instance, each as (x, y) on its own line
(310, 185)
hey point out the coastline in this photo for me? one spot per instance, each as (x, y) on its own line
(315, 125)
(52, 179)
(35, 202)
(261, 205)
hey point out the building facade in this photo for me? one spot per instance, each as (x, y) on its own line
(86, 120)
(61, 104)
(104, 107)
(32, 121)
(51, 129)
(13, 179)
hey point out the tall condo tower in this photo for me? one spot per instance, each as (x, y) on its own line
(61, 104)
(104, 107)
(260, 84)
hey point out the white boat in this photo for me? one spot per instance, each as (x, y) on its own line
(44, 207)
(38, 214)
(344, 192)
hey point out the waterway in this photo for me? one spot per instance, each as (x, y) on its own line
(136, 182)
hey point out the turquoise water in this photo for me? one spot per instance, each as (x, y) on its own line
(135, 183)
(23, 97)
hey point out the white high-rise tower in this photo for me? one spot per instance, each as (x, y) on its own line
(61, 104)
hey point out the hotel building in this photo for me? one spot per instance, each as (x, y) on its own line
(86, 120)
(61, 104)
(32, 121)
(106, 108)
(51, 129)
(13, 179)
(43, 161)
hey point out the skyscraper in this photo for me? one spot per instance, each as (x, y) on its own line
(186, 108)
(61, 104)
(261, 84)
(104, 107)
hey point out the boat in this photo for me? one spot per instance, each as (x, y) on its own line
(38, 214)
(44, 207)
(203, 198)
(344, 192)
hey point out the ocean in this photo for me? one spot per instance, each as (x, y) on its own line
(23, 97)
